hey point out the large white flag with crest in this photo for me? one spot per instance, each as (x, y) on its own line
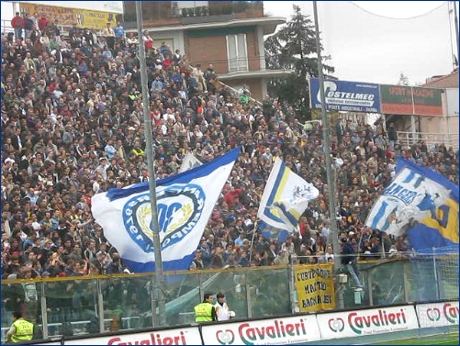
(185, 202)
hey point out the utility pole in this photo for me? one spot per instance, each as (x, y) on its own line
(327, 152)
(456, 28)
(159, 281)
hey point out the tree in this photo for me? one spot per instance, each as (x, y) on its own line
(294, 48)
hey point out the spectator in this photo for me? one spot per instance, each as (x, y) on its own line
(73, 127)
(17, 23)
(148, 41)
(28, 25)
(109, 35)
(119, 32)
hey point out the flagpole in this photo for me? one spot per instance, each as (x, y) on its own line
(152, 180)
(252, 241)
(327, 152)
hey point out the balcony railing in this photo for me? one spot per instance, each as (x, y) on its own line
(432, 140)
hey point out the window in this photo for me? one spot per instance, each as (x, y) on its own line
(237, 53)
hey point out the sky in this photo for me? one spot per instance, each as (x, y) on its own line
(376, 41)
(368, 41)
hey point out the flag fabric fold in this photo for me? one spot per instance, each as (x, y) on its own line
(189, 162)
(418, 202)
(285, 198)
(184, 201)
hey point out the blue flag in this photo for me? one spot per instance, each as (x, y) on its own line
(440, 228)
(185, 202)
(418, 202)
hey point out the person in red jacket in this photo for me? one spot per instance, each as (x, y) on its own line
(42, 22)
(230, 196)
(18, 24)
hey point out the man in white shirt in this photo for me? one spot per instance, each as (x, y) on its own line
(222, 310)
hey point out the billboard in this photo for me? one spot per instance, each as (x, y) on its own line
(367, 322)
(277, 331)
(181, 336)
(406, 100)
(69, 16)
(438, 314)
(346, 96)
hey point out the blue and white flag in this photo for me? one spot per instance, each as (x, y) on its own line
(439, 229)
(285, 198)
(414, 194)
(185, 202)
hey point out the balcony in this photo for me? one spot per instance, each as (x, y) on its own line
(169, 13)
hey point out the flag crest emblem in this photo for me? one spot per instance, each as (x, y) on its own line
(179, 208)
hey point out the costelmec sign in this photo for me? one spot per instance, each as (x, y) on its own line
(438, 314)
(367, 322)
(266, 332)
(346, 96)
(184, 336)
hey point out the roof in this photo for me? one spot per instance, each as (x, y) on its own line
(255, 74)
(447, 81)
(269, 25)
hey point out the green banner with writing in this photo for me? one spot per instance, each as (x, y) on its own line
(406, 100)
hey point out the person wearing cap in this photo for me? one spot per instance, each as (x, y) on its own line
(222, 310)
(205, 311)
(21, 330)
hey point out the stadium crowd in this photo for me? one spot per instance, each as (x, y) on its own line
(72, 127)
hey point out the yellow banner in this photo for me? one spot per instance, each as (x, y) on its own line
(315, 287)
(95, 19)
(68, 16)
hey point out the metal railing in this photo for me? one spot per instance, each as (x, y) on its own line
(72, 305)
(432, 139)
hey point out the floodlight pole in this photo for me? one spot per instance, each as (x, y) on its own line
(159, 282)
(327, 152)
(456, 28)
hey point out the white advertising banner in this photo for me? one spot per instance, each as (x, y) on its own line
(367, 322)
(276, 331)
(183, 336)
(438, 314)
(452, 102)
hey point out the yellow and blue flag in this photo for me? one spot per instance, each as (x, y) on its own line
(439, 229)
(285, 198)
(419, 203)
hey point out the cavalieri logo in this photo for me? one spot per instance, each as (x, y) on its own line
(268, 333)
(451, 313)
(225, 337)
(359, 321)
(337, 325)
(433, 314)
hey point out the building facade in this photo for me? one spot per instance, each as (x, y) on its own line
(229, 35)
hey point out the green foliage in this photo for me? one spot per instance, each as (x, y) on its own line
(293, 47)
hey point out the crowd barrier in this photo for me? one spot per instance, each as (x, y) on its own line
(292, 329)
